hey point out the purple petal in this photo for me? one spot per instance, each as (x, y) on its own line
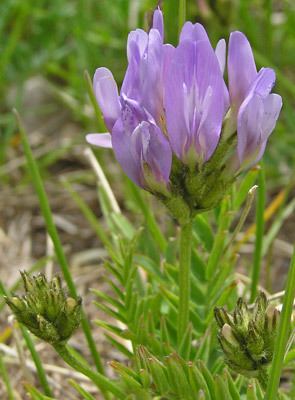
(257, 117)
(272, 108)
(100, 139)
(127, 158)
(136, 44)
(159, 155)
(158, 22)
(193, 32)
(106, 92)
(151, 74)
(241, 67)
(136, 47)
(194, 99)
(211, 106)
(132, 114)
(220, 52)
(145, 147)
(168, 51)
(174, 103)
(263, 83)
(249, 127)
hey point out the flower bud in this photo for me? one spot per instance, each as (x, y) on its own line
(222, 317)
(228, 335)
(45, 309)
(247, 336)
(241, 316)
(259, 311)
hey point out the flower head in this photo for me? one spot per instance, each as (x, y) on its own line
(45, 309)
(175, 127)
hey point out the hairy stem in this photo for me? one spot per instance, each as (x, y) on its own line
(103, 383)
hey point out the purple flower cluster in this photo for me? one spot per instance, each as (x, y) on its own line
(174, 104)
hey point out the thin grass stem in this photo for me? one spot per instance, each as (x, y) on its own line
(52, 231)
(40, 370)
(6, 380)
(260, 204)
(181, 14)
(283, 334)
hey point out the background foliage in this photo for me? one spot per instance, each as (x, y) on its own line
(45, 47)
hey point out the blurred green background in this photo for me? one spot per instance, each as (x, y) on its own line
(57, 40)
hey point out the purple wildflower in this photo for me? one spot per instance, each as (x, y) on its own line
(174, 100)
(255, 109)
(195, 96)
(134, 117)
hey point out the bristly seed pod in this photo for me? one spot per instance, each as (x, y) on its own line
(45, 309)
(247, 336)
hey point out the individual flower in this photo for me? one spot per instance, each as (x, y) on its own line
(45, 309)
(134, 117)
(247, 336)
(195, 96)
(254, 108)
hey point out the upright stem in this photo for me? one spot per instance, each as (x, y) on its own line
(184, 279)
(53, 233)
(259, 234)
(103, 383)
(35, 356)
(6, 380)
(283, 334)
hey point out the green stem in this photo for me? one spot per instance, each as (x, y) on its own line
(103, 383)
(40, 370)
(259, 234)
(6, 380)
(184, 279)
(52, 231)
(283, 334)
(181, 14)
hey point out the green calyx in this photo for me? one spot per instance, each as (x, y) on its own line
(45, 309)
(196, 187)
(247, 336)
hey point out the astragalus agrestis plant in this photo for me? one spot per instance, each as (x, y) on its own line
(181, 133)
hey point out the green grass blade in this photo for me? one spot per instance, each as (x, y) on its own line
(259, 234)
(6, 380)
(52, 231)
(181, 14)
(85, 395)
(37, 361)
(283, 334)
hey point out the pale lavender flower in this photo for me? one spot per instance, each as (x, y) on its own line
(254, 107)
(134, 117)
(196, 98)
(174, 101)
